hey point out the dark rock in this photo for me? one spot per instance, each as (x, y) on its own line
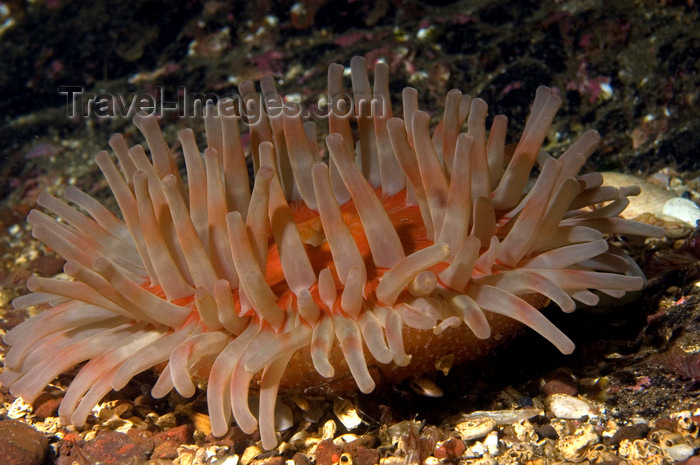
(20, 444)
(559, 386)
(327, 453)
(165, 450)
(143, 437)
(233, 439)
(112, 448)
(47, 265)
(547, 432)
(666, 423)
(69, 451)
(630, 433)
(277, 460)
(46, 405)
(449, 449)
(179, 434)
(167, 442)
(361, 454)
(301, 459)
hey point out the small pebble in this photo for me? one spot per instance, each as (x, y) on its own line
(299, 459)
(491, 443)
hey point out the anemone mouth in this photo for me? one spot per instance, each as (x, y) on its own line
(399, 240)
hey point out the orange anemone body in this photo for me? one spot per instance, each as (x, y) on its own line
(425, 347)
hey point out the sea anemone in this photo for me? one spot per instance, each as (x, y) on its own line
(375, 258)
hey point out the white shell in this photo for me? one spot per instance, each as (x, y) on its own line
(682, 209)
(680, 452)
(504, 417)
(650, 200)
(346, 412)
(425, 387)
(475, 428)
(228, 460)
(491, 442)
(569, 407)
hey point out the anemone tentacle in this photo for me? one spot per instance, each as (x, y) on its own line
(325, 266)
